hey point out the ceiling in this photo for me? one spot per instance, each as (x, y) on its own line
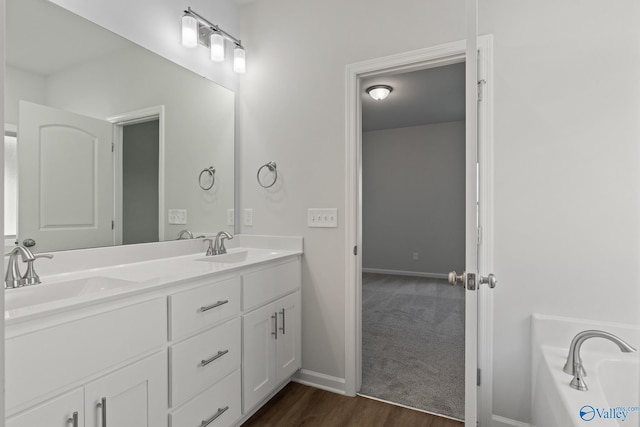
(433, 95)
(33, 41)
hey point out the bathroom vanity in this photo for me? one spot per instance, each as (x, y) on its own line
(178, 341)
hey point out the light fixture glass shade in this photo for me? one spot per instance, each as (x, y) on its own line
(239, 60)
(379, 92)
(217, 47)
(189, 31)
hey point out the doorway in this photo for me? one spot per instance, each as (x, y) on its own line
(413, 234)
(478, 206)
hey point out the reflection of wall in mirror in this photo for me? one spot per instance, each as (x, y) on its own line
(199, 122)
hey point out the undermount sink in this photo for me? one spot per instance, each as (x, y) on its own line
(49, 292)
(230, 258)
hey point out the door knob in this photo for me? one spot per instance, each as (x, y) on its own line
(489, 280)
(454, 279)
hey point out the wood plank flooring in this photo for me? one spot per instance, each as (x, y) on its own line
(298, 405)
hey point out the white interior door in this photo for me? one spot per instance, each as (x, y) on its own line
(65, 196)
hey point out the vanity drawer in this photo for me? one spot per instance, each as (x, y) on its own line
(265, 285)
(198, 308)
(190, 374)
(222, 400)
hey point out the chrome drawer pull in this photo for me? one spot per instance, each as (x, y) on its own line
(103, 407)
(221, 411)
(217, 356)
(218, 304)
(73, 419)
(275, 318)
(282, 329)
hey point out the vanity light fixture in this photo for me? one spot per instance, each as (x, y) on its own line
(196, 29)
(379, 92)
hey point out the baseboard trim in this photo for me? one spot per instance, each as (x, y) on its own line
(498, 421)
(321, 381)
(405, 273)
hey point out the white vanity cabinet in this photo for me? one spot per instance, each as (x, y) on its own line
(63, 411)
(271, 333)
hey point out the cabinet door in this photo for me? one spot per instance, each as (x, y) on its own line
(63, 411)
(134, 396)
(288, 346)
(258, 359)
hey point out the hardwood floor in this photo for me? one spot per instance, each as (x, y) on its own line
(299, 405)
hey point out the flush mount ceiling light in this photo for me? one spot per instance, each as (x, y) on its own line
(196, 29)
(379, 92)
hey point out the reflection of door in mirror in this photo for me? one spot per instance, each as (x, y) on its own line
(66, 179)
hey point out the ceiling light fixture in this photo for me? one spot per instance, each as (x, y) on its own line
(379, 92)
(196, 29)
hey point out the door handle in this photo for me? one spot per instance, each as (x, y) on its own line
(103, 409)
(73, 419)
(275, 318)
(282, 329)
(489, 280)
(468, 280)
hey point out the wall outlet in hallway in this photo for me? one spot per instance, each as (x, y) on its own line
(177, 216)
(231, 217)
(416, 256)
(248, 217)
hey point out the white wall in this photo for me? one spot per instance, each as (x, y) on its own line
(23, 85)
(567, 175)
(413, 187)
(293, 112)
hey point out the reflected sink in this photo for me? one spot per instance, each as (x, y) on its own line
(230, 258)
(48, 292)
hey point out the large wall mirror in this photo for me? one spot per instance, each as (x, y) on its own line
(107, 143)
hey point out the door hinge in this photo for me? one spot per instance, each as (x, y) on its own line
(481, 84)
(478, 379)
(479, 235)
(355, 250)
(113, 147)
(113, 224)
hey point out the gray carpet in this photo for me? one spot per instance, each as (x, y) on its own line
(413, 342)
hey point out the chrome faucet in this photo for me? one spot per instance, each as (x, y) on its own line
(181, 234)
(218, 244)
(13, 278)
(574, 367)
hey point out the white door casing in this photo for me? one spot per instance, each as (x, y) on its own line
(65, 179)
(477, 320)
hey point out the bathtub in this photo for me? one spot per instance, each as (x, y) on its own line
(613, 377)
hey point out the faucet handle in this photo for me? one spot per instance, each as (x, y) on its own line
(30, 277)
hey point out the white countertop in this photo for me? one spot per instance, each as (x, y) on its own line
(70, 290)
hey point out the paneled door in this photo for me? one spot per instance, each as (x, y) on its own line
(66, 198)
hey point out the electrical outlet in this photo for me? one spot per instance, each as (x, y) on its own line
(415, 256)
(322, 217)
(248, 217)
(231, 220)
(178, 216)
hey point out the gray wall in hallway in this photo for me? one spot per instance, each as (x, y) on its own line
(413, 188)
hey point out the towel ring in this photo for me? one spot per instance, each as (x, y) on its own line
(273, 168)
(212, 173)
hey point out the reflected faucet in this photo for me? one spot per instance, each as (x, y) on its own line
(13, 278)
(574, 367)
(181, 234)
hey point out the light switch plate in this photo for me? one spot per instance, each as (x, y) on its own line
(231, 217)
(322, 217)
(178, 216)
(248, 217)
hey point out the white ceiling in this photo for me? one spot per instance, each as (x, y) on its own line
(35, 35)
(433, 95)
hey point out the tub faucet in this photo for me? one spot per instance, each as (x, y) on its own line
(574, 367)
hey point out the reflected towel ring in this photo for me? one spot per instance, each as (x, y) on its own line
(273, 168)
(212, 173)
